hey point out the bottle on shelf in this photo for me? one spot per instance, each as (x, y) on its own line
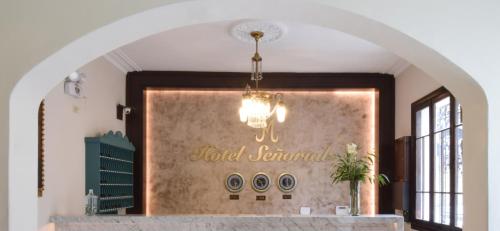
(91, 206)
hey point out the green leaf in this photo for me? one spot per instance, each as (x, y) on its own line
(348, 167)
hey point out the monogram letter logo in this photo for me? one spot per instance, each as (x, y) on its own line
(269, 130)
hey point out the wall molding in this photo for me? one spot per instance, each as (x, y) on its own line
(122, 61)
(398, 67)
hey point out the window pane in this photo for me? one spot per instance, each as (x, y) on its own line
(459, 213)
(437, 208)
(442, 161)
(422, 210)
(442, 114)
(442, 208)
(459, 170)
(458, 117)
(423, 165)
(422, 122)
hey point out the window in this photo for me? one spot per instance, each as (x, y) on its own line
(436, 163)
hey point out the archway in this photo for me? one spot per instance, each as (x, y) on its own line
(36, 83)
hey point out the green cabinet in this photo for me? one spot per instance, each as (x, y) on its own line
(109, 167)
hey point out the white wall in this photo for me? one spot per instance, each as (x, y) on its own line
(68, 122)
(411, 85)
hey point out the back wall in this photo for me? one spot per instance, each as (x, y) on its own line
(183, 178)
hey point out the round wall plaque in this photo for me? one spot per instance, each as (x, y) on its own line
(235, 182)
(287, 182)
(261, 182)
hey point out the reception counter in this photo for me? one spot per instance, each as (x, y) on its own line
(226, 222)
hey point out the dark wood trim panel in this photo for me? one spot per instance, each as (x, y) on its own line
(453, 157)
(137, 82)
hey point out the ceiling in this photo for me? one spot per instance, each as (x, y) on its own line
(210, 47)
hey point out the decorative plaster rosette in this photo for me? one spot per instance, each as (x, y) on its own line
(272, 31)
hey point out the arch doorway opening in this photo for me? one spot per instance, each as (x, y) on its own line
(32, 88)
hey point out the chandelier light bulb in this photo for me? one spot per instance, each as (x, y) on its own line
(246, 102)
(280, 113)
(243, 115)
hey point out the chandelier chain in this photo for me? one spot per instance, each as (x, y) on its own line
(256, 108)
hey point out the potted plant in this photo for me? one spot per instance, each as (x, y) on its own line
(350, 167)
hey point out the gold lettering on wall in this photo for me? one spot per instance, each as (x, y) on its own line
(211, 153)
(264, 153)
(269, 130)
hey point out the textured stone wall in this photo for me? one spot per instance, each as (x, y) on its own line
(178, 123)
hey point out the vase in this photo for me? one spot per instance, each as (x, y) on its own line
(354, 187)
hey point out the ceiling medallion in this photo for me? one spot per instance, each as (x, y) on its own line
(256, 110)
(273, 31)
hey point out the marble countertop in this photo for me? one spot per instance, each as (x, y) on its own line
(143, 218)
(229, 222)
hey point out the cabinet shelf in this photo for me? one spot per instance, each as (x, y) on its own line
(116, 172)
(113, 209)
(116, 198)
(109, 170)
(111, 184)
(117, 159)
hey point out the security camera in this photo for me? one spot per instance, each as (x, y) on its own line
(127, 110)
(122, 111)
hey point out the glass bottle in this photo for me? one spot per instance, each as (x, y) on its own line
(91, 206)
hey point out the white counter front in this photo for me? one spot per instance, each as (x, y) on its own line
(223, 223)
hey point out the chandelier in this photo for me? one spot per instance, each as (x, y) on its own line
(255, 108)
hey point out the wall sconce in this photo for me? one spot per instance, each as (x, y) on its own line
(122, 110)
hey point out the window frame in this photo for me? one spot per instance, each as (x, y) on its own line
(429, 101)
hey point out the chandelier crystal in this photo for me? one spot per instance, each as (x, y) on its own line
(255, 108)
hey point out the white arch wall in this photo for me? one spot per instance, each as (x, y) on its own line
(445, 30)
